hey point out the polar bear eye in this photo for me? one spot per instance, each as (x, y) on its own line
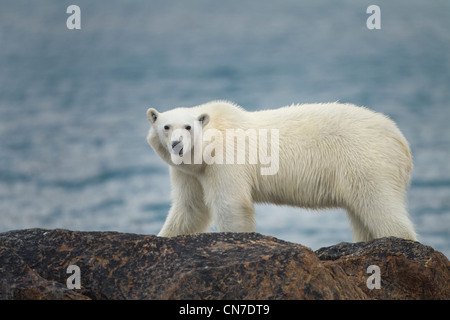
(188, 128)
(166, 127)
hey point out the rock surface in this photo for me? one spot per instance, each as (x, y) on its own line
(33, 265)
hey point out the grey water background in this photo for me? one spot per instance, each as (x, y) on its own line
(73, 152)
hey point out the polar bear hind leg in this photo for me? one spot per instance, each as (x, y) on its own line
(379, 217)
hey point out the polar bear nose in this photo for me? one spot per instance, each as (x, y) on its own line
(175, 143)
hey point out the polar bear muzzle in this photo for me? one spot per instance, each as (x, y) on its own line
(177, 147)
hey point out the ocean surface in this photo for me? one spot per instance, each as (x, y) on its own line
(73, 152)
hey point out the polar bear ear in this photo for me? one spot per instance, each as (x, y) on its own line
(152, 115)
(204, 119)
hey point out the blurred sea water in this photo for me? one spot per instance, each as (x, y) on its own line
(72, 102)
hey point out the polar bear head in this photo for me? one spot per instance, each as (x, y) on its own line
(178, 130)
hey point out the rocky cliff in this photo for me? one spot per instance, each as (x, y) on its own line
(34, 264)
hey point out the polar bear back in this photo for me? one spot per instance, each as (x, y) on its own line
(328, 152)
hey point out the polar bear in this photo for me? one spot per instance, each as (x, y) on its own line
(326, 155)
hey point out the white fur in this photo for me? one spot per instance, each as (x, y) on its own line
(330, 155)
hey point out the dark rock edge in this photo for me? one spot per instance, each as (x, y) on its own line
(118, 266)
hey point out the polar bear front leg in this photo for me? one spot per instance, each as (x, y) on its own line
(231, 207)
(234, 217)
(189, 213)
